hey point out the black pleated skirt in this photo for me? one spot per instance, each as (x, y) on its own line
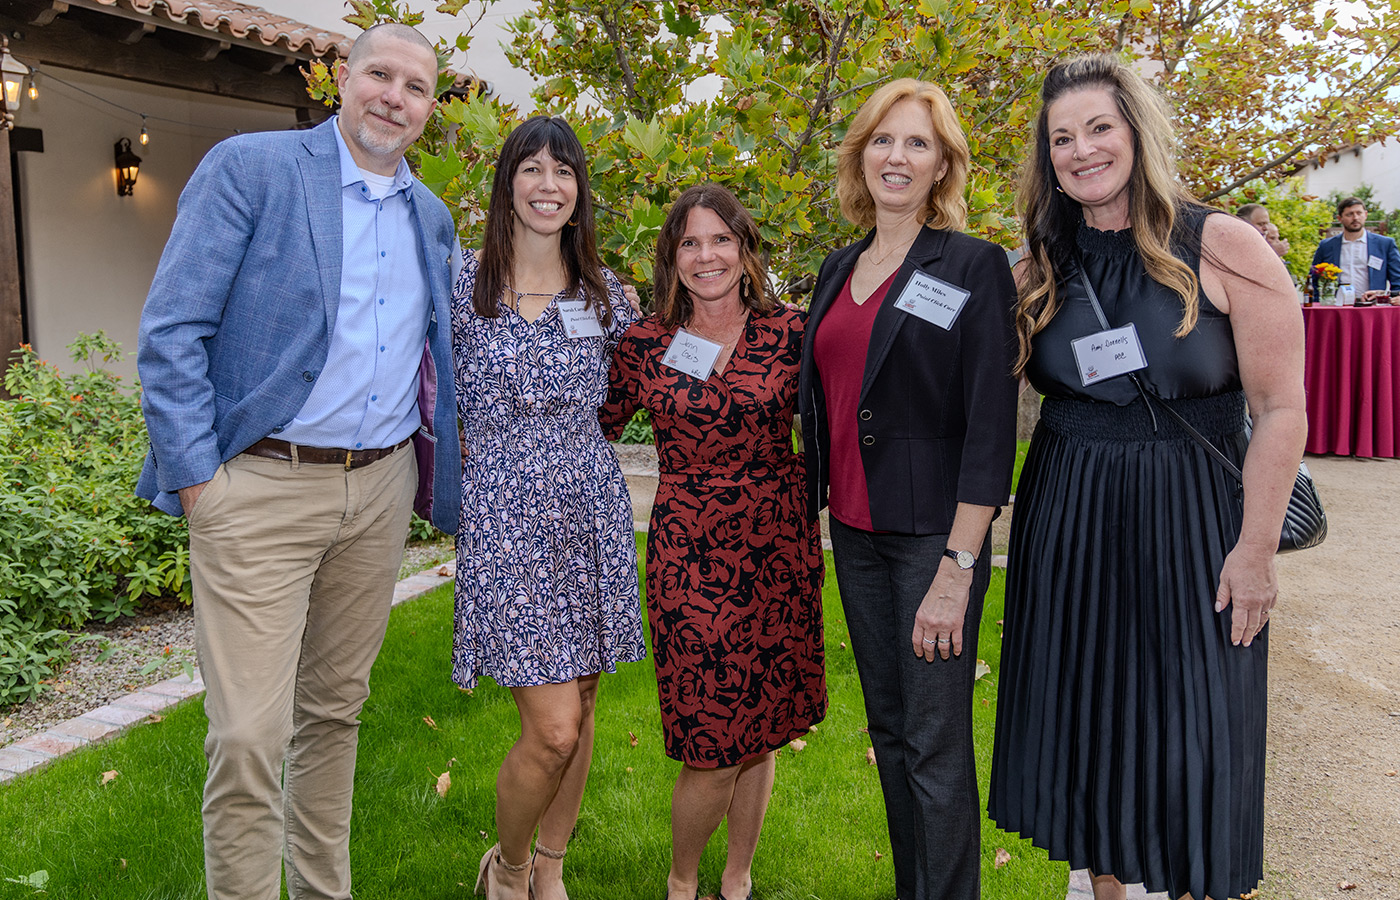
(1130, 732)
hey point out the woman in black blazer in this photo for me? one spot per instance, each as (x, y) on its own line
(909, 420)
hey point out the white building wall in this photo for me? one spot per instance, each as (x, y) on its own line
(89, 255)
(1377, 165)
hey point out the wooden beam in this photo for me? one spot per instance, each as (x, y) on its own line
(123, 31)
(68, 44)
(39, 12)
(11, 327)
(201, 47)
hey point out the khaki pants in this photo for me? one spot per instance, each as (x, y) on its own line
(293, 567)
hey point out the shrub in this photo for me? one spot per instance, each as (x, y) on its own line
(75, 543)
(638, 431)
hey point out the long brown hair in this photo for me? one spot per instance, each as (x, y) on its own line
(583, 270)
(1051, 219)
(946, 207)
(673, 304)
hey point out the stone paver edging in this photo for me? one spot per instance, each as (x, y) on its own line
(132, 709)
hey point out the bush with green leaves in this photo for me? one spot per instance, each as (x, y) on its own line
(76, 543)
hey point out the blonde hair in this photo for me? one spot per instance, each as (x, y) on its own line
(1051, 219)
(946, 206)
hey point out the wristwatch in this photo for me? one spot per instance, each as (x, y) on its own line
(963, 558)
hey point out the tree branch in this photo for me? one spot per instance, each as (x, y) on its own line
(823, 100)
(629, 80)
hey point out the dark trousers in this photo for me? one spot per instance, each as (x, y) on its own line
(919, 713)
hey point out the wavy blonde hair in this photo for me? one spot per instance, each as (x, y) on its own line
(1051, 219)
(946, 206)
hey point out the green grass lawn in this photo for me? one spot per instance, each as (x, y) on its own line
(138, 836)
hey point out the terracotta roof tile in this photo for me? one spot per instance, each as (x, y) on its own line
(243, 21)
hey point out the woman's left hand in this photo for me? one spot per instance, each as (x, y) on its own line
(1249, 583)
(938, 625)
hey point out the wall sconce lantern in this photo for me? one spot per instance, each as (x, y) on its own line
(128, 166)
(14, 73)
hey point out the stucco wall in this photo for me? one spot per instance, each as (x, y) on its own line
(89, 255)
(1377, 165)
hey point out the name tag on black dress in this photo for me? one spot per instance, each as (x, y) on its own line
(1108, 354)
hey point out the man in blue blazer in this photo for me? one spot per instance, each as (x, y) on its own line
(288, 354)
(1367, 260)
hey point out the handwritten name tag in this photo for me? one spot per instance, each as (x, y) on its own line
(932, 300)
(579, 321)
(1108, 354)
(1375, 262)
(692, 354)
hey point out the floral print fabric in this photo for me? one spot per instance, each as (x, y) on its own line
(734, 566)
(546, 560)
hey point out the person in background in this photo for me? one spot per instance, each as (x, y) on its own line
(734, 561)
(909, 413)
(1370, 262)
(281, 386)
(546, 593)
(1257, 214)
(1132, 693)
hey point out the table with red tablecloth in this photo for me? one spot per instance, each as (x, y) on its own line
(1352, 374)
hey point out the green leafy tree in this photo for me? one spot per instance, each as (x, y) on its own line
(757, 96)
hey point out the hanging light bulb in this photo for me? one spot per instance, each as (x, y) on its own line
(34, 83)
(145, 136)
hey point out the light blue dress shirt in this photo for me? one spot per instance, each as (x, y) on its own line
(367, 395)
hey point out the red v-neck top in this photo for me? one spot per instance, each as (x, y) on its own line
(842, 343)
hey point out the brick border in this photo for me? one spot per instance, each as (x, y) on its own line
(37, 750)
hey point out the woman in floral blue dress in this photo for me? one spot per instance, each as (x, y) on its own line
(546, 595)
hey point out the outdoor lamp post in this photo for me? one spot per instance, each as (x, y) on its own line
(14, 73)
(128, 167)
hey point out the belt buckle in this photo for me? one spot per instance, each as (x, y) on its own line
(349, 455)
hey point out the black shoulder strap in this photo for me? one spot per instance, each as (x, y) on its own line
(1149, 395)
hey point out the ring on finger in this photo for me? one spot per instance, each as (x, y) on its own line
(927, 641)
(945, 640)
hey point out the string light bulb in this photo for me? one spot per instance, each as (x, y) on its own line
(34, 83)
(145, 135)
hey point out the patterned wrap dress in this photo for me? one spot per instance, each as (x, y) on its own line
(734, 565)
(1130, 732)
(546, 559)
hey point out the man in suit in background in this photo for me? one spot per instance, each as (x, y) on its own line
(1367, 260)
(288, 354)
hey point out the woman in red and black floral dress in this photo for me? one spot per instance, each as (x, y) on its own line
(734, 564)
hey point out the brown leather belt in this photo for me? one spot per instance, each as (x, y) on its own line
(271, 448)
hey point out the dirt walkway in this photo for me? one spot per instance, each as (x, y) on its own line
(1332, 793)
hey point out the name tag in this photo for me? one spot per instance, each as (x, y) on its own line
(1375, 262)
(1108, 354)
(579, 321)
(692, 354)
(932, 300)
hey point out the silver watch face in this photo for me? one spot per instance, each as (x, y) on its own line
(966, 560)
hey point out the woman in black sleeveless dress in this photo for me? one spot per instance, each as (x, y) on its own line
(1131, 711)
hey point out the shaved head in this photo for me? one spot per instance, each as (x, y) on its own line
(387, 29)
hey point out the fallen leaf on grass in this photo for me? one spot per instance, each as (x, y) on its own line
(1346, 886)
(109, 776)
(877, 855)
(982, 669)
(631, 739)
(444, 571)
(121, 864)
(843, 645)
(467, 691)
(1001, 858)
(629, 768)
(985, 702)
(870, 756)
(155, 717)
(483, 835)
(444, 781)
(797, 745)
(428, 720)
(1251, 895)
(811, 729)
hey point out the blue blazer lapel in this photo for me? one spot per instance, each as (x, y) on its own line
(320, 178)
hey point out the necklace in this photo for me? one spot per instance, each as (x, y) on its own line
(727, 343)
(902, 247)
(520, 295)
